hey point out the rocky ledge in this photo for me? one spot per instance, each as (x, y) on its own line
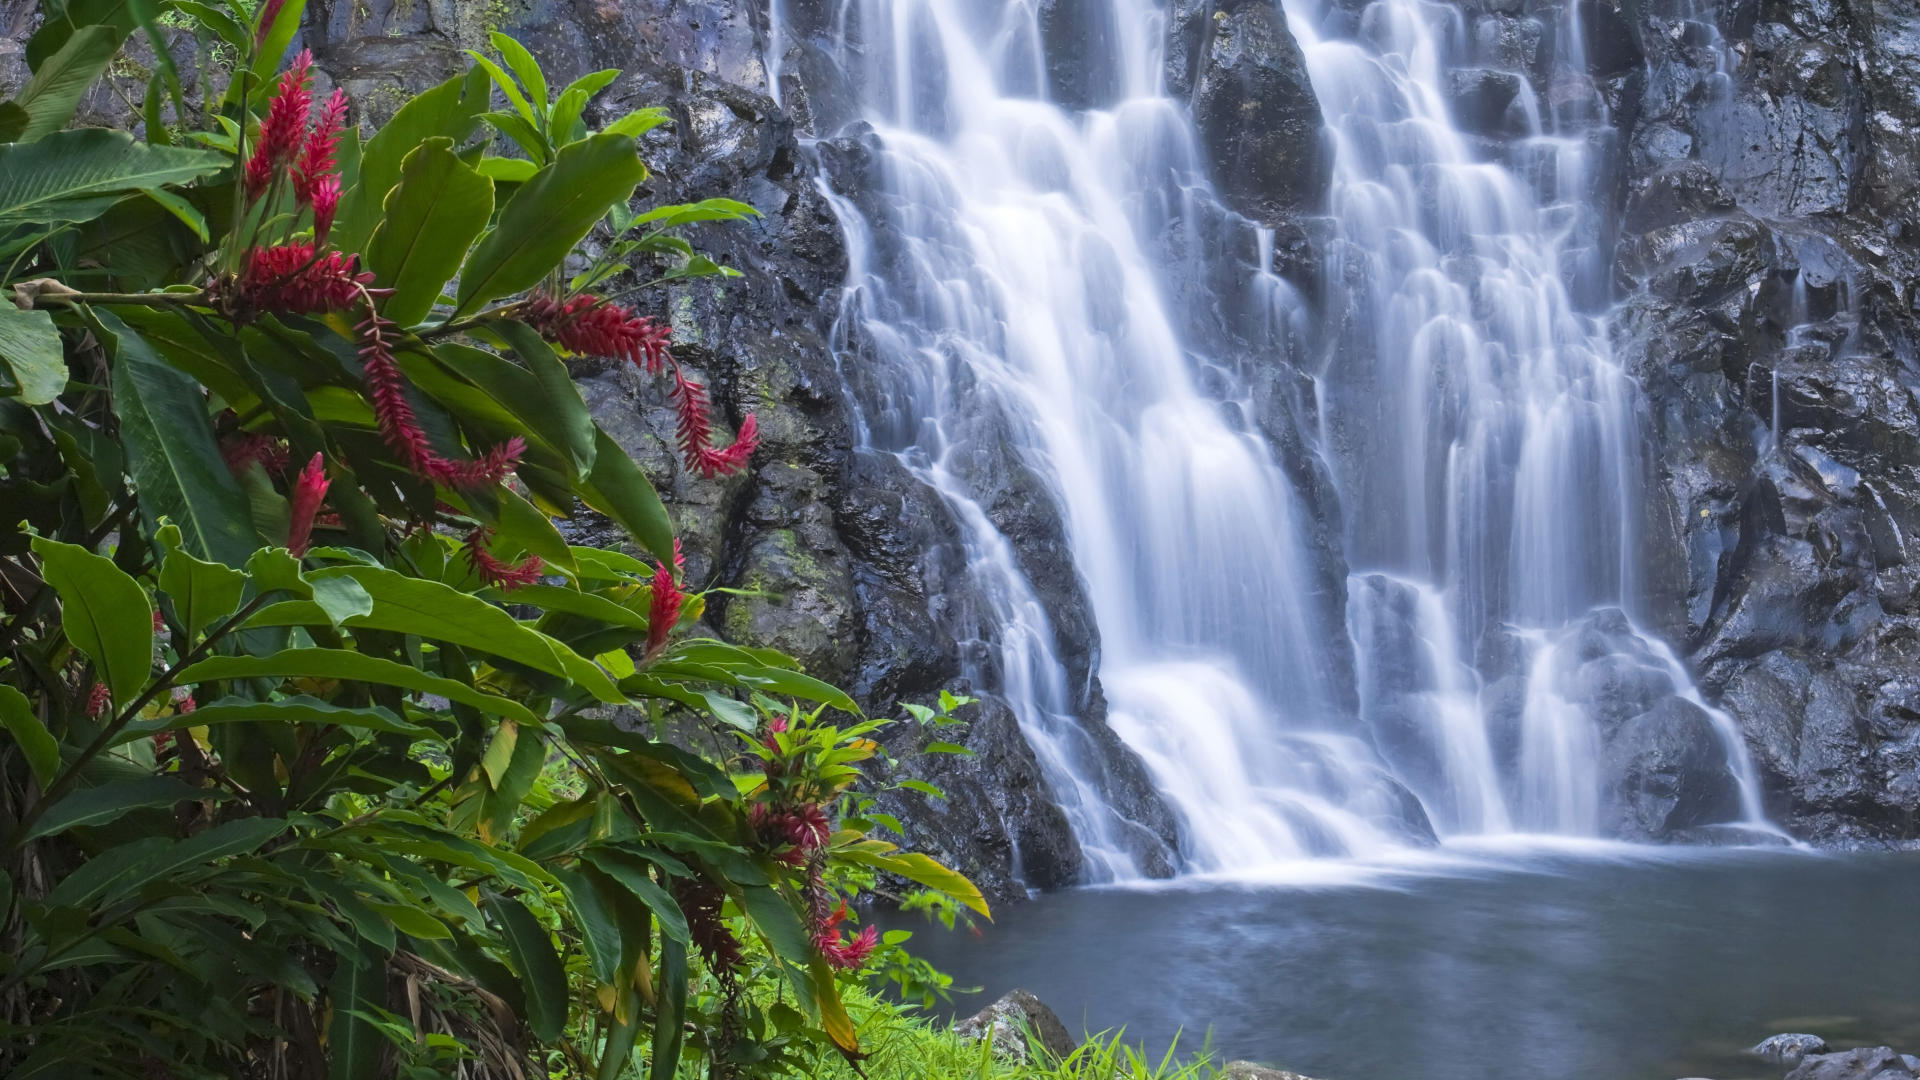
(1807, 1057)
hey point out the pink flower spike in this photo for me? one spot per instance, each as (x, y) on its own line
(98, 699)
(844, 953)
(665, 611)
(308, 491)
(492, 571)
(326, 200)
(317, 156)
(285, 128)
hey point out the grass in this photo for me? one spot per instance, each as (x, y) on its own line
(906, 1046)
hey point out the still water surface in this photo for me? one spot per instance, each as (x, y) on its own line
(1594, 963)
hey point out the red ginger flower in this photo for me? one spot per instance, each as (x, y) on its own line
(665, 610)
(701, 901)
(289, 278)
(284, 128)
(586, 324)
(492, 571)
(326, 201)
(695, 433)
(308, 490)
(323, 142)
(845, 953)
(387, 390)
(184, 705)
(98, 699)
(242, 450)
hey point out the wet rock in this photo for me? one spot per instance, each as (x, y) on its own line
(1488, 102)
(1021, 1028)
(1876, 1063)
(1667, 770)
(1787, 1050)
(1257, 115)
(1080, 41)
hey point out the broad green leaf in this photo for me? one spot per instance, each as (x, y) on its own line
(341, 598)
(180, 475)
(634, 875)
(541, 975)
(346, 664)
(617, 488)
(104, 612)
(921, 869)
(36, 743)
(638, 122)
(451, 110)
(548, 216)
(502, 803)
(772, 914)
(670, 1020)
(565, 121)
(222, 25)
(524, 66)
(54, 92)
(177, 205)
(499, 753)
(413, 922)
(522, 132)
(563, 417)
(599, 926)
(55, 178)
(30, 350)
(110, 802)
(112, 874)
(507, 86)
(299, 709)
(507, 170)
(355, 1045)
(202, 592)
(521, 522)
(593, 82)
(276, 38)
(670, 217)
(407, 605)
(833, 1013)
(433, 214)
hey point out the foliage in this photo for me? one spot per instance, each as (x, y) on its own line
(326, 753)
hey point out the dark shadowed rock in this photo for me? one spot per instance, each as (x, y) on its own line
(1257, 115)
(1876, 1063)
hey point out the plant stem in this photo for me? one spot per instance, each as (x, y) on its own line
(159, 300)
(507, 311)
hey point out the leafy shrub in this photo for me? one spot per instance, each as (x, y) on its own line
(326, 752)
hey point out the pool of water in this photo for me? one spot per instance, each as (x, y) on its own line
(1518, 963)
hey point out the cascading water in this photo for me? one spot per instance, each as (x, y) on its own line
(1004, 292)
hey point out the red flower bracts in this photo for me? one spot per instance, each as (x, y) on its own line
(492, 571)
(843, 952)
(284, 130)
(664, 611)
(291, 278)
(387, 390)
(588, 324)
(308, 491)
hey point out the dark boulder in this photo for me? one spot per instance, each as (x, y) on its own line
(1257, 115)
(1667, 771)
(1875, 1063)
(1017, 1025)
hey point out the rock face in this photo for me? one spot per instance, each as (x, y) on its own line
(1876, 1063)
(1014, 1025)
(1257, 116)
(1767, 261)
(1788, 1050)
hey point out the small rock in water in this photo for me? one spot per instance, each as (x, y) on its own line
(1866, 1063)
(1787, 1050)
(1247, 1070)
(1006, 1024)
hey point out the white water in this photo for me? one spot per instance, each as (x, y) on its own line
(1008, 288)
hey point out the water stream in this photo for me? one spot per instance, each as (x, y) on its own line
(1009, 289)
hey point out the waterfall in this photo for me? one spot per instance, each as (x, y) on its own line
(1010, 289)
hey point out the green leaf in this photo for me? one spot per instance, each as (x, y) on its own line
(562, 417)
(523, 523)
(299, 709)
(54, 92)
(541, 975)
(919, 868)
(599, 926)
(413, 922)
(118, 870)
(346, 664)
(110, 802)
(433, 214)
(638, 122)
(506, 84)
(670, 217)
(633, 874)
(177, 205)
(180, 476)
(523, 133)
(548, 216)
(592, 82)
(202, 592)
(354, 1043)
(451, 110)
(36, 743)
(506, 170)
(499, 755)
(218, 21)
(31, 352)
(565, 121)
(274, 43)
(407, 605)
(772, 914)
(104, 612)
(670, 1021)
(524, 66)
(617, 488)
(55, 178)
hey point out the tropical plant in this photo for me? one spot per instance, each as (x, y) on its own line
(326, 752)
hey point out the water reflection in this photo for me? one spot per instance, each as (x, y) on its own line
(1597, 964)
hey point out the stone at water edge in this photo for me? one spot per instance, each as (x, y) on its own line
(1789, 1049)
(1007, 1022)
(1865, 1063)
(1247, 1070)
